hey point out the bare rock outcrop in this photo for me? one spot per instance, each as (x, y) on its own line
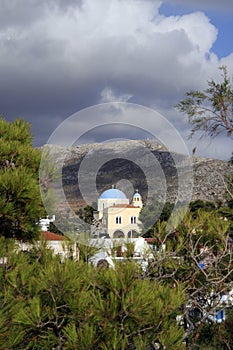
(146, 164)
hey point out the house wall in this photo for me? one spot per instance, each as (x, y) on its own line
(104, 203)
(64, 249)
(124, 224)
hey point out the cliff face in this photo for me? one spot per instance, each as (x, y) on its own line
(144, 165)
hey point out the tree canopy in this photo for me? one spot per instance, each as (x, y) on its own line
(46, 304)
(198, 254)
(20, 200)
(210, 111)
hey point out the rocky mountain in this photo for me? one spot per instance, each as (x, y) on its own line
(87, 170)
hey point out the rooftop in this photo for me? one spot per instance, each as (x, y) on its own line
(50, 236)
(113, 193)
(137, 194)
(124, 206)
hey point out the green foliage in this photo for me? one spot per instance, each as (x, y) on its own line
(47, 304)
(197, 255)
(210, 111)
(199, 204)
(72, 305)
(20, 202)
(129, 310)
(216, 336)
(152, 215)
(86, 213)
(86, 252)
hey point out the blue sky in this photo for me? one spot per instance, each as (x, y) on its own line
(222, 20)
(58, 57)
(223, 45)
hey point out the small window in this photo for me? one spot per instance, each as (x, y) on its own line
(118, 219)
(133, 220)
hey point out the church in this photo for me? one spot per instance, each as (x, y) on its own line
(117, 217)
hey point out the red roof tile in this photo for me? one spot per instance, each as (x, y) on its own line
(123, 206)
(150, 240)
(50, 236)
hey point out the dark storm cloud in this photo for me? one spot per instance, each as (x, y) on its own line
(114, 132)
(17, 13)
(59, 56)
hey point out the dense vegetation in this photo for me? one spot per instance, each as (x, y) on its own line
(210, 113)
(46, 304)
(197, 253)
(20, 200)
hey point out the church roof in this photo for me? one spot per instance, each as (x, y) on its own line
(124, 206)
(113, 193)
(137, 194)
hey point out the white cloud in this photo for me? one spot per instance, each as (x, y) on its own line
(73, 54)
(194, 25)
(108, 95)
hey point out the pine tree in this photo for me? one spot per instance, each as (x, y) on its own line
(20, 202)
(46, 304)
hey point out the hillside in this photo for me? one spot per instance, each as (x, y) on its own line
(137, 165)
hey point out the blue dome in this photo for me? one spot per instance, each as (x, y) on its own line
(113, 193)
(137, 194)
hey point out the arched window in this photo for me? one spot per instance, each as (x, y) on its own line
(132, 234)
(118, 234)
(118, 219)
(133, 219)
